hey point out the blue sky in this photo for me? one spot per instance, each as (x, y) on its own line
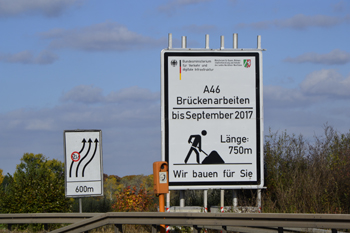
(83, 64)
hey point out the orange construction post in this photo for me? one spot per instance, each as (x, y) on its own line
(161, 185)
(161, 209)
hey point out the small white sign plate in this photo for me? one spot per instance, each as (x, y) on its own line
(163, 177)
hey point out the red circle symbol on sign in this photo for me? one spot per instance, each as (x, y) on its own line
(75, 156)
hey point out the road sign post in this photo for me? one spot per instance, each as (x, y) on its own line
(83, 163)
(212, 118)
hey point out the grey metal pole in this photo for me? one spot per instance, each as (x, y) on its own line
(170, 41)
(183, 42)
(235, 198)
(168, 202)
(259, 200)
(182, 192)
(235, 41)
(182, 198)
(259, 42)
(207, 41)
(222, 43)
(205, 201)
(80, 206)
(222, 197)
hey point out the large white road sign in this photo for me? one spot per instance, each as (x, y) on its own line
(83, 163)
(212, 118)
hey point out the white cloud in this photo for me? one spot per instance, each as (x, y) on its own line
(40, 124)
(26, 57)
(336, 56)
(28, 120)
(318, 86)
(84, 94)
(282, 97)
(326, 83)
(46, 57)
(108, 36)
(51, 8)
(321, 98)
(298, 22)
(173, 5)
(134, 93)
(88, 94)
(339, 6)
(304, 21)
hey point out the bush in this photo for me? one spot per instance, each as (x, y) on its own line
(133, 200)
(303, 177)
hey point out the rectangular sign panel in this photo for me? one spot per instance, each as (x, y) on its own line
(212, 119)
(83, 163)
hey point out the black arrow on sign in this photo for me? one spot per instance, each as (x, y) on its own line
(71, 165)
(96, 142)
(76, 173)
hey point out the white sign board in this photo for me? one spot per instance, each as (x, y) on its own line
(212, 118)
(83, 163)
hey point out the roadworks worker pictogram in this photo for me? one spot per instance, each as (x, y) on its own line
(196, 147)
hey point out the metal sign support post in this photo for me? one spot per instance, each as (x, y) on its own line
(235, 41)
(235, 199)
(222, 191)
(182, 192)
(222, 198)
(168, 201)
(205, 201)
(206, 41)
(182, 198)
(80, 206)
(259, 200)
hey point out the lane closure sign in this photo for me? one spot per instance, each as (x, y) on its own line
(83, 163)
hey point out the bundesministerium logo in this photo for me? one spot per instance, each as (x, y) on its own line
(247, 63)
(173, 63)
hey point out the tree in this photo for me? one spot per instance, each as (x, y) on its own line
(93, 205)
(110, 187)
(135, 199)
(1, 177)
(37, 186)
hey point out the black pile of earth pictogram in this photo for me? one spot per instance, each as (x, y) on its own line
(213, 158)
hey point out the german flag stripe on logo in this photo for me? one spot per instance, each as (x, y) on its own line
(180, 69)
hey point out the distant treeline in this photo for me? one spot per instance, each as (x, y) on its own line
(300, 177)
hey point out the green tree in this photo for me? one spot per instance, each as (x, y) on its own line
(93, 205)
(37, 186)
(1, 176)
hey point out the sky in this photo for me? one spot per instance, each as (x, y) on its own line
(84, 64)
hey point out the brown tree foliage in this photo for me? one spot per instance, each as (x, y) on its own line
(133, 199)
